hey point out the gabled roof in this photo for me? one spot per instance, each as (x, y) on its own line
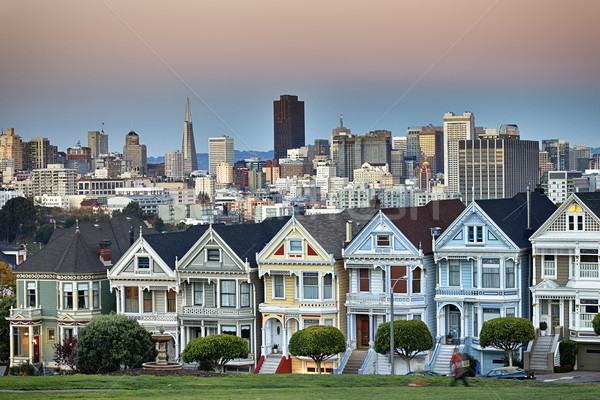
(329, 230)
(591, 200)
(415, 222)
(510, 215)
(245, 240)
(77, 249)
(7, 260)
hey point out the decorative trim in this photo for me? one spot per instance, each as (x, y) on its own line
(61, 277)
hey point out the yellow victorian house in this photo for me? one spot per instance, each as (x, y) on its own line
(305, 284)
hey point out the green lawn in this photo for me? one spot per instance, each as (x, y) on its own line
(313, 387)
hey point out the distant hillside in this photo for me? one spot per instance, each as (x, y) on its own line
(595, 150)
(203, 157)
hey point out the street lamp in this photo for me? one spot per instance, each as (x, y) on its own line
(392, 347)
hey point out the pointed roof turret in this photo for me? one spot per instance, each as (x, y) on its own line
(188, 113)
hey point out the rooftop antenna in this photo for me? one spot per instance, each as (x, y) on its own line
(103, 127)
(341, 120)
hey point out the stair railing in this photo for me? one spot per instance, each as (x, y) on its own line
(366, 361)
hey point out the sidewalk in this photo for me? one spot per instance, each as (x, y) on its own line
(570, 377)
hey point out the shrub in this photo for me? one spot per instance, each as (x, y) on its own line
(596, 323)
(109, 342)
(23, 369)
(218, 350)
(318, 342)
(508, 334)
(64, 353)
(568, 352)
(410, 338)
(470, 371)
(515, 361)
(543, 326)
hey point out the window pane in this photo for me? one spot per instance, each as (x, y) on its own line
(295, 245)
(132, 303)
(198, 293)
(229, 330)
(327, 287)
(68, 296)
(510, 275)
(278, 287)
(310, 285)
(416, 280)
(454, 273)
(143, 262)
(227, 293)
(364, 280)
(398, 279)
(82, 296)
(213, 255)
(245, 294)
(171, 301)
(147, 301)
(383, 240)
(96, 294)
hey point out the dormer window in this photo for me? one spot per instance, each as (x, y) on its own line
(383, 240)
(213, 255)
(143, 262)
(575, 218)
(295, 246)
(474, 234)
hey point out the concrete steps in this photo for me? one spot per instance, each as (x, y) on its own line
(355, 361)
(270, 364)
(444, 358)
(539, 355)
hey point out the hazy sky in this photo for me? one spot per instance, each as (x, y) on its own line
(68, 66)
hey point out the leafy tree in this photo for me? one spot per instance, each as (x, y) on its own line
(218, 350)
(44, 233)
(112, 341)
(506, 333)
(64, 353)
(5, 306)
(596, 323)
(318, 342)
(159, 224)
(17, 219)
(8, 281)
(134, 209)
(410, 338)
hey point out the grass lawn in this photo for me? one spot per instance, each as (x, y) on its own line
(313, 387)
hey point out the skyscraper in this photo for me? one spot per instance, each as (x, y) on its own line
(288, 114)
(38, 153)
(220, 150)
(98, 143)
(135, 152)
(558, 152)
(11, 147)
(353, 151)
(174, 164)
(431, 147)
(456, 127)
(188, 147)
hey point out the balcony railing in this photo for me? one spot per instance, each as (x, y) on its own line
(382, 299)
(475, 292)
(214, 311)
(588, 270)
(156, 317)
(585, 320)
(27, 313)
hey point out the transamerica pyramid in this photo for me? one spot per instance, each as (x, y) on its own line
(188, 147)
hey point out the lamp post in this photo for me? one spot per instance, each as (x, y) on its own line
(392, 347)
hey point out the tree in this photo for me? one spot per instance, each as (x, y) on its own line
(596, 323)
(5, 306)
(159, 224)
(8, 281)
(64, 353)
(17, 219)
(133, 209)
(410, 338)
(506, 333)
(318, 342)
(44, 233)
(218, 350)
(109, 342)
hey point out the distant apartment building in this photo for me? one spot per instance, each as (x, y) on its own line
(38, 153)
(356, 195)
(224, 173)
(6, 195)
(11, 147)
(204, 186)
(290, 168)
(559, 185)
(544, 163)
(98, 143)
(135, 153)
(272, 171)
(353, 151)
(558, 153)
(54, 180)
(174, 164)
(81, 153)
(581, 157)
(220, 150)
(456, 128)
(176, 213)
(276, 210)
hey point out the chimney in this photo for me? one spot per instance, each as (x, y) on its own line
(105, 251)
(348, 231)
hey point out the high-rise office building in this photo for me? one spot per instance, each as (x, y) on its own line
(288, 115)
(558, 152)
(224, 173)
(188, 147)
(135, 152)
(431, 147)
(174, 164)
(412, 143)
(220, 150)
(509, 130)
(80, 152)
(456, 127)
(353, 151)
(38, 153)
(11, 147)
(335, 132)
(98, 143)
(544, 163)
(497, 168)
(581, 155)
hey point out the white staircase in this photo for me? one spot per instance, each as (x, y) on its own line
(539, 355)
(444, 358)
(270, 364)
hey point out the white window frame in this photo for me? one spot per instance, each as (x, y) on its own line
(476, 229)
(35, 293)
(544, 274)
(324, 286)
(137, 262)
(295, 240)
(304, 276)
(384, 236)
(207, 257)
(273, 296)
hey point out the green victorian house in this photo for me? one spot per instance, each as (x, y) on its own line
(64, 285)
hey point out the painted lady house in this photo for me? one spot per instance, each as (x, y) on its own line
(64, 285)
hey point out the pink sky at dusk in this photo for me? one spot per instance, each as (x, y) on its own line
(67, 65)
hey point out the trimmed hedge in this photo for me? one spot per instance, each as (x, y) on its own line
(568, 352)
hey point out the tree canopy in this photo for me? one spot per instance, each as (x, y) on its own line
(112, 341)
(596, 323)
(506, 333)
(218, 350)
(318, 342)
(5, 306)
(8, 281)
(17, 219)
(133, 209)
(410, 338)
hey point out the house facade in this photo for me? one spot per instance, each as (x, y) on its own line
(305, 282)
(64, 285)
(196, 283)
(484, 270)
(393, 254)
(566, 280)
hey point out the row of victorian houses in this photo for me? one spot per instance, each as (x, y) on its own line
(447, 264)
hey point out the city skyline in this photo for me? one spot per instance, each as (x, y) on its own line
(69, 67)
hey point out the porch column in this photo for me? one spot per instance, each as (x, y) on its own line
(11, 344)
(218, 299)
(31, 343)
(577, 313)
(349, 325)
(440, 322)
(141, 300)
(123, 307)
(463, 324)
(370, 329)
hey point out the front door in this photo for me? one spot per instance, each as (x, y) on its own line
(555, 316)
(36, 349)
(276, 333)
(362, 331)
(453, 335)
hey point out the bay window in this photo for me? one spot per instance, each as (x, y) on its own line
(327, 287)
(132, 297)
(227, 293)
(68, 296)
(31, 289)
(491, 273)
(245, 294)
(83, 296)
(310, 285)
